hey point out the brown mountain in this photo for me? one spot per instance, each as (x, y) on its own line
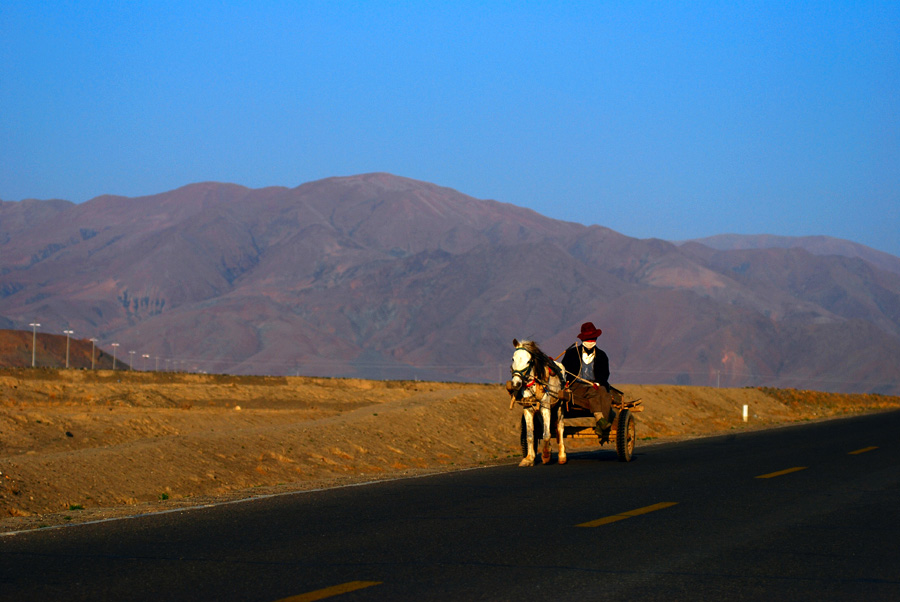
(817, 245)
(384, 277)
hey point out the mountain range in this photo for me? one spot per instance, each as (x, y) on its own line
(379, 276)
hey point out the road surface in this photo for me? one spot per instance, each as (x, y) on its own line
(806, 512)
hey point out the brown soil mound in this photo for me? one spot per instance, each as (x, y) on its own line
(79, 445)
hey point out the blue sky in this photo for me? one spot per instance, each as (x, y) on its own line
(656, 119)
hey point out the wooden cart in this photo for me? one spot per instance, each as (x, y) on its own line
(580, 424)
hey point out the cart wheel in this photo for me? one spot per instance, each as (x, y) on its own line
(625, 436)
(538, 428)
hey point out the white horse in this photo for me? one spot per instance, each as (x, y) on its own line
(535, 384)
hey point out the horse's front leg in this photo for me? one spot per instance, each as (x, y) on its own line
(545, 436)
(561, 434)
(528, 460)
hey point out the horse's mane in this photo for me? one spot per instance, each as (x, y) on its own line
(542, 361)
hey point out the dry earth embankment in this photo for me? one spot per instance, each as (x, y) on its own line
(81, 445)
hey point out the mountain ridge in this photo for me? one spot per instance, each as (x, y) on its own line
(380, 276)
(817, 245)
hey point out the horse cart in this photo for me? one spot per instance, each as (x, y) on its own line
(579, 424)
(538, 384)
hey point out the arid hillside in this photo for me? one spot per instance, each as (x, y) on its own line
(18, 348)
(817, 245)
(383, 277)
(80, 445)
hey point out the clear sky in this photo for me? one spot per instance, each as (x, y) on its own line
(656, 119)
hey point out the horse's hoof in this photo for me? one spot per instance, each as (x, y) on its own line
(526, 462)
(545, 459)
(563, 460)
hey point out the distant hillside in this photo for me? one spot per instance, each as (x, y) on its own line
(817, 245)
(378, 276)
(50, 352)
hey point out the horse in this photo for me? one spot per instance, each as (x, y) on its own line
(535, 382)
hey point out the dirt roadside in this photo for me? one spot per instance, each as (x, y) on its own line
(79, 445)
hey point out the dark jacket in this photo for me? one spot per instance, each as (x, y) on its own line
(572, 363)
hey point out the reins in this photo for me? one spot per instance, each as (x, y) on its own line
(540, 387)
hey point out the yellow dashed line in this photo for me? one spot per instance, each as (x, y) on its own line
(862, 451)
(781, 472)
(334, 590)
(617, 517)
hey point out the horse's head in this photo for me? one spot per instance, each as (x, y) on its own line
(521, 367)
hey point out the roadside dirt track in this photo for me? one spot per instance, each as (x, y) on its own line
(79, 445)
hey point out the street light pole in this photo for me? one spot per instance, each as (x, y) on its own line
(144, 362)
(114, 345)
(68, 333)
(93, 342)
(34, 326)
(131, 366)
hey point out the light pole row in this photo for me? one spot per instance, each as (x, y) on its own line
(69, 333)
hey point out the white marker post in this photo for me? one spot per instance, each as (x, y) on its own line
(746, 412)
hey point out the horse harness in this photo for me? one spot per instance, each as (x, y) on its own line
(538, 387)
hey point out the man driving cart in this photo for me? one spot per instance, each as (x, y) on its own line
(587, 377)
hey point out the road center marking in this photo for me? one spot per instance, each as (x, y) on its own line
(781, 472)
(862, 451)
(617, 517)
(328, 592)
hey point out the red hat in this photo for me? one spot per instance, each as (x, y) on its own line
(589, 332)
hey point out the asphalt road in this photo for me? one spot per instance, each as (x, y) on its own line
(807, 512)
